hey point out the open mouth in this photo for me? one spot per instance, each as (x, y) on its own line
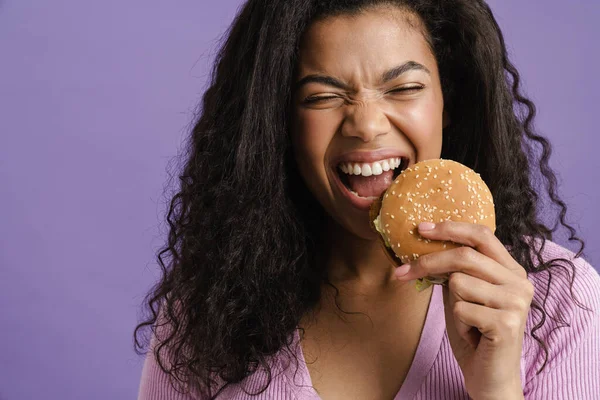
(370, 180)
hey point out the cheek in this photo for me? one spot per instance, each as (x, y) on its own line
(313, 133)
(422, 124)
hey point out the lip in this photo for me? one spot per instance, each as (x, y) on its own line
(364, 157)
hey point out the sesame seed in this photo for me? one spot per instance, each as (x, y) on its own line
(392, 216)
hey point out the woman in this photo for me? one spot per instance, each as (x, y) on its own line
(277, 287)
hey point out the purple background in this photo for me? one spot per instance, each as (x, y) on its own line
(95, 98)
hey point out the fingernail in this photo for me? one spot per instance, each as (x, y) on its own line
(402, 270)
(426, 226)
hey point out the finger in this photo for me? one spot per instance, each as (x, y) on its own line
(461, 259)
(474, 290)
(477, 236)
(498, 326)
(464, 331)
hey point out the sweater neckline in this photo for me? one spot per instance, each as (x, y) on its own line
(427, 350)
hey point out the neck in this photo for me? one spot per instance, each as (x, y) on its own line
(362, 279)
(356, 262)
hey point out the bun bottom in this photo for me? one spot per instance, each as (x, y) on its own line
(421, 283)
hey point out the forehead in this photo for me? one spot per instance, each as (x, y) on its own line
(370, 41)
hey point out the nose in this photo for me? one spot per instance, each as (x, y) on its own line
(365, 121)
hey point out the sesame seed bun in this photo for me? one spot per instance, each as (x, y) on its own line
(433, 191)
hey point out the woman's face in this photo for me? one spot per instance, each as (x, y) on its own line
(367, 100)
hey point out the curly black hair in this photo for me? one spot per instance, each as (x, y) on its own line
(239, 268)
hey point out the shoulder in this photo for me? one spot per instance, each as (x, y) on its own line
(273, 382)
(285, 379)
(567, 277)
(263, 384)
(568, 292)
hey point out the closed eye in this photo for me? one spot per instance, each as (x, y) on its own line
(406, 89)
(312, 100)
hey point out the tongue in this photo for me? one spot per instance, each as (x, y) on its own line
(370, 186)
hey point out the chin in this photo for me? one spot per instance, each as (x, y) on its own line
(361, 230)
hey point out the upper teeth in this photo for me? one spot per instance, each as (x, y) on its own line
(368, 169)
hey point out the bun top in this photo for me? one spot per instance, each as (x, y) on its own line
(434, 190)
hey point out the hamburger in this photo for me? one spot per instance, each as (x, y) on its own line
(434, 190)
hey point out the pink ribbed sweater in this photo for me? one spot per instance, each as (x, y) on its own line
(572, 370)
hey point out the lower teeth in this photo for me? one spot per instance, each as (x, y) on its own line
(366, 198)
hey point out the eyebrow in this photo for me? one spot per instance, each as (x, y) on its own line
(387, 76)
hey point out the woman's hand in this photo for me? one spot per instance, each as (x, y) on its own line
(486, 301)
